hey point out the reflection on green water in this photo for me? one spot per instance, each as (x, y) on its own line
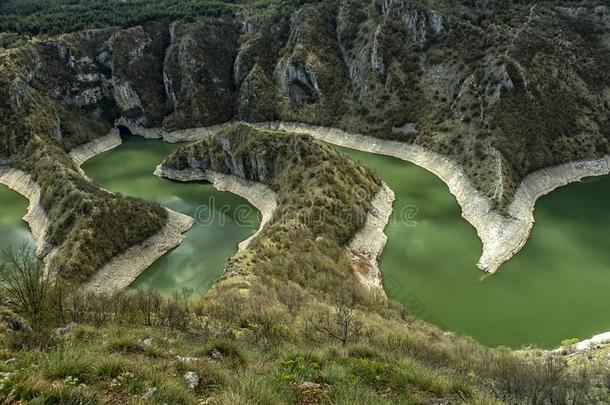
(223, 219)
(13, 230)
(555, 288)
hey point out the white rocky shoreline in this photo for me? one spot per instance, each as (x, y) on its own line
(368, 243)
(502, 235)
(36, 218)
(82, 153)
(257, 194)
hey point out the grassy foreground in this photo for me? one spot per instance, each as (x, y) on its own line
(141, 348)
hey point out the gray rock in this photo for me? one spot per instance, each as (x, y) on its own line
(408, 129)
(146, 342)
(150, 392)
(376, 59)
(65, 330)
(187, 359)
(216, 355)
(10, 362)
(125, 96)
(192, 380)
(299, 82)
(601, 11)
(421, 23)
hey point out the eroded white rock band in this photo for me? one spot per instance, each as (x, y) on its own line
(502, 235)
(257, 194)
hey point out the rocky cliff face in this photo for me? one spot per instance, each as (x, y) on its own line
(237, 152)
(502, 93)
(198, 73)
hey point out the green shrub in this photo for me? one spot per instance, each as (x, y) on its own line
(69, 363)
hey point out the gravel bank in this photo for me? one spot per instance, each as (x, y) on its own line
(82, 153)
(367, 244)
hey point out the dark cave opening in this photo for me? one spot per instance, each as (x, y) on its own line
(123, 130)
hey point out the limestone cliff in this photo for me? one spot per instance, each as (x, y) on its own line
(502, 94)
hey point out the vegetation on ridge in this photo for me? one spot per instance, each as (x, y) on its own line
(323, 199)
(88, 225)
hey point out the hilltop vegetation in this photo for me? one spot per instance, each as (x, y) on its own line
(323, 199)
(61, 16)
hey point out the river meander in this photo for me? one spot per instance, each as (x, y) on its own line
(223, 219)
(557, 287)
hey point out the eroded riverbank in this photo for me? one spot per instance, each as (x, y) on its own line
(36, 218)
(502, 235)
(365, 248)
(222, 220)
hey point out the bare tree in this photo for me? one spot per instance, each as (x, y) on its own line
(23, 282)
(340, 324)
(149, 302)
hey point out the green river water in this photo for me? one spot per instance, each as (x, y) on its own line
(13, 230)
(555, 288)
(223, 219)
